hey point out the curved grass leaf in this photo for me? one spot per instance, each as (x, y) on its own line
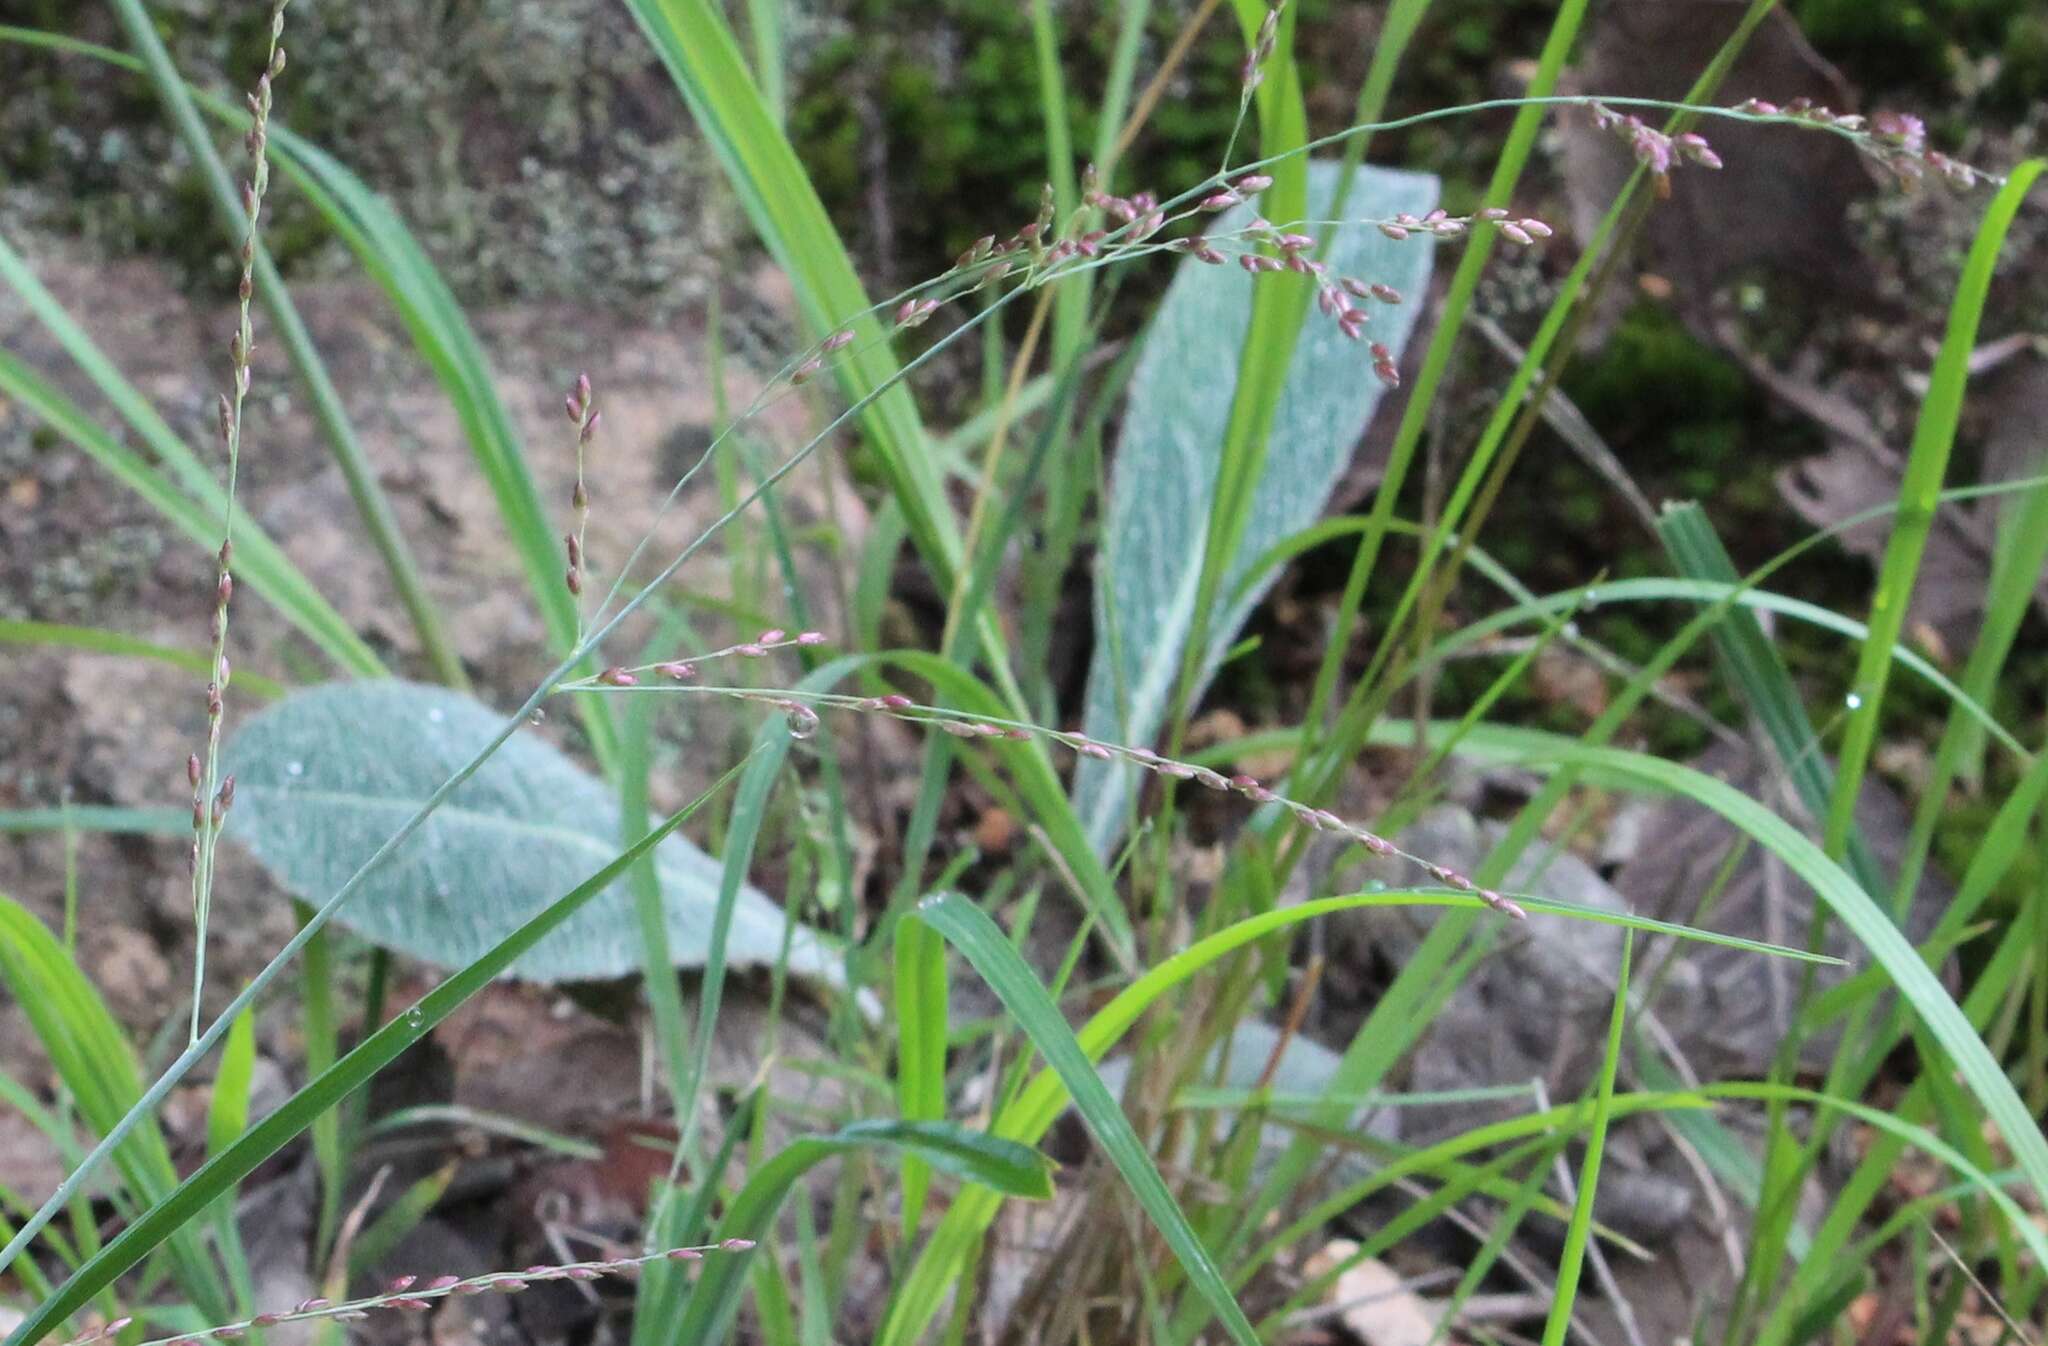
(1167, 466)
(259, 564)
(1934, 434)
(697, 45)
(373, 506)
(1742, 594)
(175, 1211)
(100, 818)
(1580, 1230)
(985, 945)
(326, 775)
(1001, 1167)
(1041, 1101)
(92, 1056)
(1865, 919)
(93, 640)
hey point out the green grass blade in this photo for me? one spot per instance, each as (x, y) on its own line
(1934, 434)
(2016, 567)
(1277, 315)
(91, 1055)
(695, 43)
(1757, 671)
(1743, 594)
(1457, 301)
(398, 1219)
(1001, 1166)
(372, 504)
(658, 1290)
(227, 1112)
(100, 818)
(920, 1009)
(96, 641)
(176, 1209)
(1580, 1229)
(749, 810)
(196, 512)
(989, 950)
(1871, 925)
(322, 1045)
(1038, 1103)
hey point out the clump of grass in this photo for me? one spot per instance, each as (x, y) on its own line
(1079, 234)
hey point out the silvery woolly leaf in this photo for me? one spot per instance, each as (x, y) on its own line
(1164, 477)
(323, 777)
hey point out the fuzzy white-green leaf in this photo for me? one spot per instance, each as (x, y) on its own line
(1167, 456)
(324, 776)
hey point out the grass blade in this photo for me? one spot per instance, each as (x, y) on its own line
(1934, 434)
(989, 950)
(1001, 1166)
(96, 641)
(1580, 1228)
(198, 515)
(1757, 671)
(371, 502)
(174, 1211)
(695, 43)
(920, 1009)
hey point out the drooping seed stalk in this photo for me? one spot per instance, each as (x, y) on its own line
(212, 796)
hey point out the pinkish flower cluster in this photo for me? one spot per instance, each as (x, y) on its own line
(1897, 140)
(415, 1293)
(1653, 149)
(1253, 71)
(1335, 294)
(685, 670)
(1037, 250)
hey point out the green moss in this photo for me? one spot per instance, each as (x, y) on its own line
(1889, 43)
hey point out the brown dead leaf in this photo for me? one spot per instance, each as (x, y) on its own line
(995, 831)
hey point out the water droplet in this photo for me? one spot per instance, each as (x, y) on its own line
(1853, 701)
(294, 768)
(436, 715)
(802, 721)
(1592, 598)
(415, 1019)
